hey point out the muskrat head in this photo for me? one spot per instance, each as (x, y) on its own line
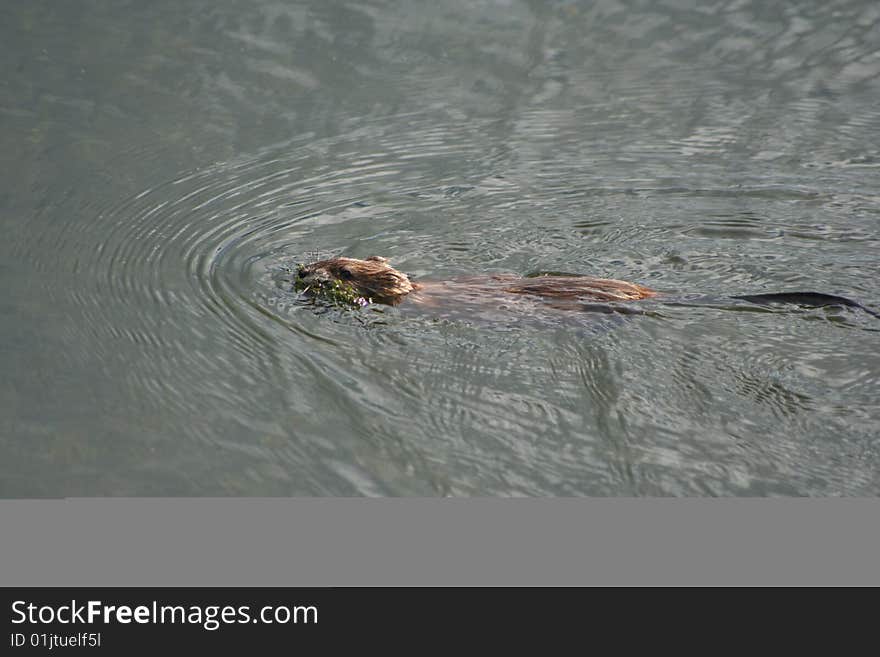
(352, 281)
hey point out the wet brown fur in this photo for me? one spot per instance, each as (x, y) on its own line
(373, 278)
(376, 280)
(581, 287)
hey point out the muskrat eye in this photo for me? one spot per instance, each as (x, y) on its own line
(345, 274)
(300, 272)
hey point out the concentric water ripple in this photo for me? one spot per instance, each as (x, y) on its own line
(164, 174)
(183, 292)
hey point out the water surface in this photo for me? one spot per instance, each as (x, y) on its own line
(165, 162)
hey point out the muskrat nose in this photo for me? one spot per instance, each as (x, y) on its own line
(306, 275)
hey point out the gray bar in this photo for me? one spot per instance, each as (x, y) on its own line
(358, 542)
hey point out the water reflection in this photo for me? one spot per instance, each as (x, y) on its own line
(164, 164)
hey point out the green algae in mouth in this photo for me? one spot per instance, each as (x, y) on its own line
(335, 292)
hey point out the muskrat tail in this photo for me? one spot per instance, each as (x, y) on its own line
(815, 299)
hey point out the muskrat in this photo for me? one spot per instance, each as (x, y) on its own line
(349, 281)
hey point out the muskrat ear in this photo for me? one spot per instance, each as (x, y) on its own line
(377, 259)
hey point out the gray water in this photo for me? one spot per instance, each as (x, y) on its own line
(164, 162)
